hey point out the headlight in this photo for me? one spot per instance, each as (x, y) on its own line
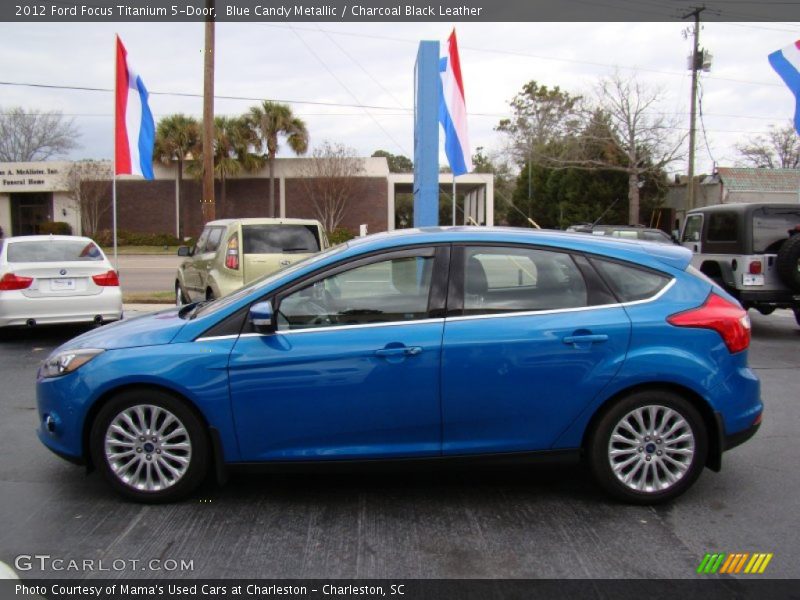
(67, 361)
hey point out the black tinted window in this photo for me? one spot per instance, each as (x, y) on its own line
(500, 280)
(53, 251)
(280, 239)
(722, 227)
(628, 282)
(771, 227)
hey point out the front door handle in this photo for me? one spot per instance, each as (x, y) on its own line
(401, 351)
(585, 339)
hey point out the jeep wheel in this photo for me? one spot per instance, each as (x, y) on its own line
(788, 263)
(797, 315)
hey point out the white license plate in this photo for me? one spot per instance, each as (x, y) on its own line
(748, 279)
(62, 284)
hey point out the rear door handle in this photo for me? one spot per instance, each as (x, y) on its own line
(585, 339)
(402, 351)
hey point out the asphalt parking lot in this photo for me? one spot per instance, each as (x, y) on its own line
(520, 523)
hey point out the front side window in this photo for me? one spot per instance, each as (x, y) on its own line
(53, 251)
(692, 228)
(379, 292)
(500, 280)
(201, 241)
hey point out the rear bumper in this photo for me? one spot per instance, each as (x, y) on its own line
(17, 309)
(732, 440)
(784, 298)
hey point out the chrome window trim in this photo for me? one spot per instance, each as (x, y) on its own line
(529, 313)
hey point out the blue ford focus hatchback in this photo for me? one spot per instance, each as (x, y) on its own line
(429, 344)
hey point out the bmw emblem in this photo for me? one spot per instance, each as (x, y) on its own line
(63, 271)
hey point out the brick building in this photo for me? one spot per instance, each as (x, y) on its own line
(33, 193)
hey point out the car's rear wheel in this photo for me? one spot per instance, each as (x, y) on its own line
(210, 295)
(150, 446)
(796, 315)
(649, 447)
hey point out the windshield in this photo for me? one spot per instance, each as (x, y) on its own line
(53, 251)
(221, 303)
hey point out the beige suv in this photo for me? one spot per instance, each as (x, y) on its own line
(232, 252)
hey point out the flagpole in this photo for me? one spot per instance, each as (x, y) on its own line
(114, 160)
(454, 199)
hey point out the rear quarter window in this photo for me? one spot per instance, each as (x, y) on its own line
(771, 227)
(629, 282)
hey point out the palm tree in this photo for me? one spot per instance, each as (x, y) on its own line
(233, 141)
(177, 136)
(271, 121)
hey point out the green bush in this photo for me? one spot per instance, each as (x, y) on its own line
(133, 238)
(340, 235)
(55, 228)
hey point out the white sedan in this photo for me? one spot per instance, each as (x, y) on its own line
(49, 279)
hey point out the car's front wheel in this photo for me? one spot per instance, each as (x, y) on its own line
(180, 297)
(649, 447)
(150, 446)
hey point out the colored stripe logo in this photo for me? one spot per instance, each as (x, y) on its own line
(735, 563)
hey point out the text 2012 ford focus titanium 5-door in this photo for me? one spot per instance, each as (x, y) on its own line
(439, 343)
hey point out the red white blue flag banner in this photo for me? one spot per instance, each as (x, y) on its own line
(135, 131)
(787, 64)
(453, 110)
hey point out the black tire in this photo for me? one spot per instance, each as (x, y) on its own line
(599, 448)
(210, 295)
(180, 297)
(788, 263)
(797, 315)
(196, 457)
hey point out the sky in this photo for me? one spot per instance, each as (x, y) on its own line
(356, 65)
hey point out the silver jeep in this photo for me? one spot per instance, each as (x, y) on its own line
(750, 250)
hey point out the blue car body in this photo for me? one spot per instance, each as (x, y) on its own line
(473, 385)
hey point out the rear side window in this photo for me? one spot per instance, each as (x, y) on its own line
(498, 280)
(630, 283)
(280, 239)
(771, 227)
(53, 251)
(722, 227)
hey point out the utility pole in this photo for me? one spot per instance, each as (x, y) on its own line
(696, 65)
(208, 205)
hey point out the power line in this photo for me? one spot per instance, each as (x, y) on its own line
(341, 83)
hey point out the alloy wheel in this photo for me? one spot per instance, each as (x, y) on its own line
(651, 448)
(148, 448)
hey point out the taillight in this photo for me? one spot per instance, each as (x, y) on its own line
(11, 282)
(232, 253)
(108, 279)
(726, 318)
(755, 267)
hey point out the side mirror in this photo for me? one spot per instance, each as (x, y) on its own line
(262, 317)
(184, 251)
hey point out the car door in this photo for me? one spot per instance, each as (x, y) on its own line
(532, 336)
(205, 261)
(191, 274)
(353, 368)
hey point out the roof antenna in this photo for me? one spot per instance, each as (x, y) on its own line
(600, 218)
